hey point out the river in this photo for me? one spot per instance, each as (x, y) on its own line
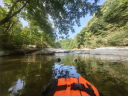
(29, 75)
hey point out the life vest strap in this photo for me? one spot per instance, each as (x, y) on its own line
(77, 86)
(62, 87)
(81, 87)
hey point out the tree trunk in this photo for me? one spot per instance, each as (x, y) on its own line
(8, 17)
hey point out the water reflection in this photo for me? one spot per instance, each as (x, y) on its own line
(60, 70)
(15, 89)
(30, 75)
(27, 75)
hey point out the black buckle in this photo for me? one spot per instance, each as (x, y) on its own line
(81, 87)
(77, 86)
(62, 87)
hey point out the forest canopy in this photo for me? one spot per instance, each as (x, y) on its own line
(64, 13)
(108, 27)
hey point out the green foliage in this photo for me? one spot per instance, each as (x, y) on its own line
(117, 12)
(37, 12)
(67, 44)
(64, 13)
(19, 37)
(108, 27)
(119, 38)
(14, 36)
(57, 44)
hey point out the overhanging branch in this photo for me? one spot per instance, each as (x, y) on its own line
(9, 16)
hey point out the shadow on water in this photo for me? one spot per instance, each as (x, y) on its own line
(30, 75)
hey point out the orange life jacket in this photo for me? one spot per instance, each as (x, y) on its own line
(75, 87)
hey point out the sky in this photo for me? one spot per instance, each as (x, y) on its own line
(1, 3)
(83, 21)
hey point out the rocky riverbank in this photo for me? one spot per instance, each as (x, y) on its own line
(98, 51)
(18, 52)
(104, 51)
(51, 51)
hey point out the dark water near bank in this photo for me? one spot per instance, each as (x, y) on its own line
(29, 75)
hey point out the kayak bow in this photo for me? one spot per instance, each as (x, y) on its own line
(75, 87)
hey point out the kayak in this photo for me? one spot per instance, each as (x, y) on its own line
(75, 87)
(68, 82)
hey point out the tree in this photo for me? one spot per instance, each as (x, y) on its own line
(13, 35)
(65, 13)
(108, 27)
(14, 9)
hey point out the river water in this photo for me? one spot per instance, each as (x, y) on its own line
(29, 75)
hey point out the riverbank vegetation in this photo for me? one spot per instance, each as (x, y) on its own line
(40, 31)
(108, 27)
(22, 37)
